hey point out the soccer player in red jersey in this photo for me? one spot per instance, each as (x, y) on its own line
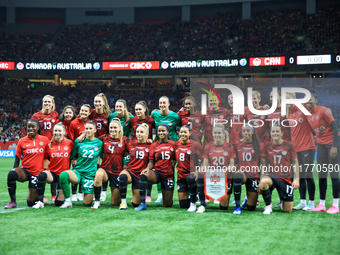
(220, 154)
(66, 117)
(326, 131)
(101, 114)
(139, 158)
(59, 153)
(187, 154)
(77, 128)
(47, 117)
(281, 154)
(190, 116)
(257, 121)
(275, 118)
(160, 168)
(304, 145)
(142, 116)
(248, 173)
(235, 123)
(215, 114)
(31, 150)
(114, 146)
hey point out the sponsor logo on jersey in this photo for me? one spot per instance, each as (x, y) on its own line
(170, 123)
(31, 151)
(53, 121)
(120, 145)
(59, 155)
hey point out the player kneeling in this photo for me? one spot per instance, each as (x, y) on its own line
(281, 155)
(160, 168)
(86, 167)
(248, 154)
(58, 153)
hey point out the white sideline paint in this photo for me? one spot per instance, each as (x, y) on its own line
(13, 210)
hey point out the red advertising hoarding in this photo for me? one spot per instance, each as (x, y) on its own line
(267, 61)
(7, 65)
(131, 65)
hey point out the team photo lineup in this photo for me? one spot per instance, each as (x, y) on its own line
(95, 148)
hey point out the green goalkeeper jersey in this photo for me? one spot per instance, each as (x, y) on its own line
(88, 153)
(173, 120)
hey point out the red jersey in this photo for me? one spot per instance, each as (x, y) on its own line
(113, 151)
(47, 122)
(67, 127)
(248, 160)
(77, 127)
(302, 135)
(59, 155)
(162, 154)
(139, 157)
(186, 157)
(275, 119)
(236, 123)
(102, 122)
(194, 121)
(31, 151)
(320, 122)
(259, 123)
(212, 116)
(135, 123)
(280, 160)
(219, 156)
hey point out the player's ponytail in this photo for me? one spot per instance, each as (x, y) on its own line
(106, 107)
(146, 127)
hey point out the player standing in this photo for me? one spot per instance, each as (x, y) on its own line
(31, 150)
(326, 130)
(121, 112)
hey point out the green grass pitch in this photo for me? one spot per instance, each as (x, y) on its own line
(158, 230)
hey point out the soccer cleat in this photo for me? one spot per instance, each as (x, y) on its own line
(233, 202)
(148, 199)
(45, 199)
(237, 210)
(308, 207)
(66, 204)
(244, 203)
(54, 198)
(141, 207)
(319, 208)
(201, 209)
(216, 202)
(333, 210)
(11, 204)
(96, 205)
(267, 210)
(38, 205)
(159, 200)
(192, 208)
(123, 206)
(299, 206)
(80, 197)
(74, 198)
(279, 205)
(103, 197)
